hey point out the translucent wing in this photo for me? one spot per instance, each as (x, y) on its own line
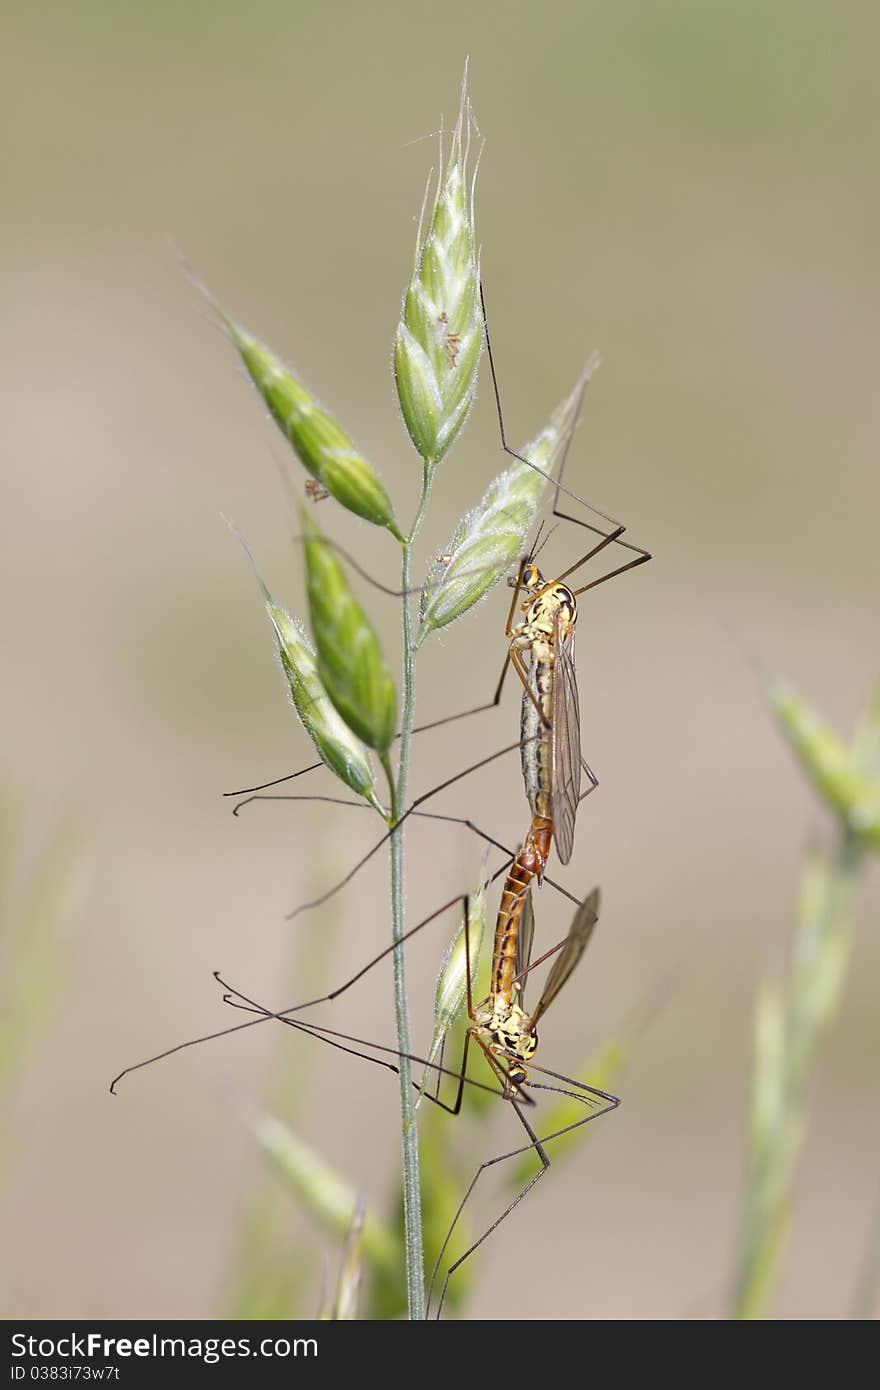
(565, 737)
(579, 934)
(525, 938)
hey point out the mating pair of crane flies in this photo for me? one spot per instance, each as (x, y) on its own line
(499, 1025)
(541, 651)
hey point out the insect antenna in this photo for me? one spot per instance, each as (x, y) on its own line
(538, 544)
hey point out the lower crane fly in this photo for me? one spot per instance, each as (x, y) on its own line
(500, 1025)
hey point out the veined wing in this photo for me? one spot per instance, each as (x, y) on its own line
(525, 937)
(565, 736)
(579, 935)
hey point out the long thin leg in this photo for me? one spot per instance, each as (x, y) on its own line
(419, 815)
(294, 1008)
(419, 729)
(468, 972)
(489, 1163)
(504, 444)
(275, 782)
(512, 657)
(642, 555)
(557, 482)
(642, 558)
(283, 1015)
(594, 780)
(519, 667)
(578, 564)
(327, 800)
(517, 589)
(376, 583)
(583, 1094)
(469, 825)
(237, 1000)
(496, 698)
(477, 709)
(316, 902)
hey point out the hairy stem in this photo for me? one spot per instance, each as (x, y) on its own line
(412, 1203)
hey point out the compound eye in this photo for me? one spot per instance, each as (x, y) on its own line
(530, 576)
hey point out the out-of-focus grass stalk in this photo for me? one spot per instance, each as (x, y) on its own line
(265, 1280)
(789, 1024)
(32, 972)
(792, 1017)
(327, 1193)
(867, 1291)
(348, 1286)
(604, 1070)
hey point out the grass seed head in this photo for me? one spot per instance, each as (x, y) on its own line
(350, 661)
(342, 751)
(845, 777)
(322, 446)
(491, 536)
(440, 334)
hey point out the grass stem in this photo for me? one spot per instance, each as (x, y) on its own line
(412, 1204)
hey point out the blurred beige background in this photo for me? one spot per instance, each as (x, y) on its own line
(693, 190)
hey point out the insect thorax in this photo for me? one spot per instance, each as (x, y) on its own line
(541, 614)
(508, 1031)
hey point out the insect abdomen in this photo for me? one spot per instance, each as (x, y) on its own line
(535, 737)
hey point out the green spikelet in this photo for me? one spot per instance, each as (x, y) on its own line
(350, 661)
(440, 335)
(490, 537)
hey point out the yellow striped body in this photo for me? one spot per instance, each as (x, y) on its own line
(499, 1018)
(549, 617)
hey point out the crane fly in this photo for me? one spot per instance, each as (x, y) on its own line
(541, 652)
(507, 1034)
(500, 1025)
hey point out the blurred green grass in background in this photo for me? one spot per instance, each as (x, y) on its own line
(690, 189)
